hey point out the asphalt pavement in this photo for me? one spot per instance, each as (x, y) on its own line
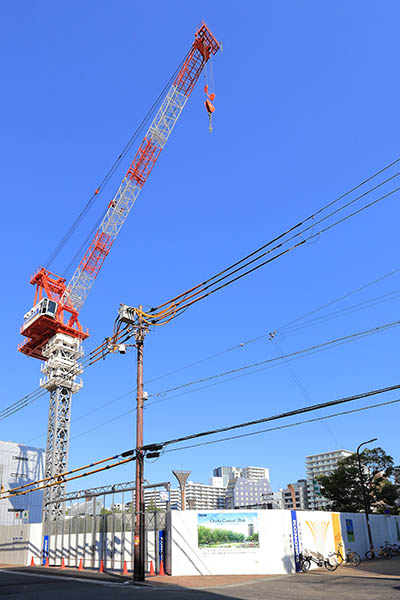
(371, 581)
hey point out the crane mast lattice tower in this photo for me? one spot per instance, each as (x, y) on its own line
(51, 328)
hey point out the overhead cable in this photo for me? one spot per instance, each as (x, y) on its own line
(284, 415)
(287, 426)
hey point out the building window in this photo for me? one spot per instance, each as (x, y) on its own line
(20, 458)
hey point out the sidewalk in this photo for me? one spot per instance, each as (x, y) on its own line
(377, 569)
(189, 582)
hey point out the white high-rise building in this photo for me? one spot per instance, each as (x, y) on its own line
(198, 496)
(255, 473)
(321, 464)
(204, 497)
(20, 465)
(252, 473)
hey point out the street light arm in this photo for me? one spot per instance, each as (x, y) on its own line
(366, 500)
(364, 443)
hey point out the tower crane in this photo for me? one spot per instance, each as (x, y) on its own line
(51, 328)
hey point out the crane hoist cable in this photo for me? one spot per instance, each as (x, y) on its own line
(209, 91)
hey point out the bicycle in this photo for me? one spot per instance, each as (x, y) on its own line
(351, 557)
(307, 558)
(383, 552)
(394, 548)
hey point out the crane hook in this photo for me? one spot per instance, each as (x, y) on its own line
(209, 106)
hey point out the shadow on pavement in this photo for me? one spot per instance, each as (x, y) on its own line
(379, 566)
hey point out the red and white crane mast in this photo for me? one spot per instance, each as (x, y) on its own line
(51, 328)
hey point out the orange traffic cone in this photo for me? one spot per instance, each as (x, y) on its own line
(101, 570)
(32, 562)
(125, 571)
(80, 568)
(63, 563)
(162, 572)
(151, 573)
(46, 564)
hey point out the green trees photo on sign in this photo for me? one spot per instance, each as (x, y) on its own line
(215, 537)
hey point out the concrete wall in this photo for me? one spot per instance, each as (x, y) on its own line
(319, 532)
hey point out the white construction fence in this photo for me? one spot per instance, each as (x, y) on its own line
(200, 543)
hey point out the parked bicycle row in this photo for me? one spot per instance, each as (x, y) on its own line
(335, 559)
(331, 562)
(387, 551)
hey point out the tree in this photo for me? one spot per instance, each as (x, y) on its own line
(152, 508)
(343, 486)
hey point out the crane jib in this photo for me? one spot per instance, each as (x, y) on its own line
(73, 296)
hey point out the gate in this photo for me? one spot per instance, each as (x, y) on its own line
(98, 525)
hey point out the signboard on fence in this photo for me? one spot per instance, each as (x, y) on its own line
(228, 532)
(45, 548)
(350, 530)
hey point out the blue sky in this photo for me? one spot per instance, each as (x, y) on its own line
(306, 107)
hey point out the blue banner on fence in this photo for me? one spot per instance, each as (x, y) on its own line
(296, 545)
(45, 548)
(161, 546)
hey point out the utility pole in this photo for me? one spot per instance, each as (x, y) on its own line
(138, 570)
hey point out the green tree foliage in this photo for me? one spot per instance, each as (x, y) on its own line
(207, 536)
(153, 508)
(343, 486)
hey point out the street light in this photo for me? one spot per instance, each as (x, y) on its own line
(366, 507)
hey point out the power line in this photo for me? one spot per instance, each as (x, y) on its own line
(26, 400)
(285, 328)
(39, 393)
(283, 357)
(36, 394)
(61, 475)
(65, 479)
(284, 415)
(177, 305)
(276, 361)
(287, 426)
(351, 293)
(231, 270)
(156, 447)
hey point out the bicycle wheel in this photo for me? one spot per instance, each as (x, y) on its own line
(354, 559)
(305, 565)
(370, 555)
(330, 563)
(387, 553)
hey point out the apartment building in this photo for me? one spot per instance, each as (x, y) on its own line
(252, 473)
(295, 495)
(242, 493)
(321, 464)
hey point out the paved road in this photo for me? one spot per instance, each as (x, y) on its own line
(369, 582)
